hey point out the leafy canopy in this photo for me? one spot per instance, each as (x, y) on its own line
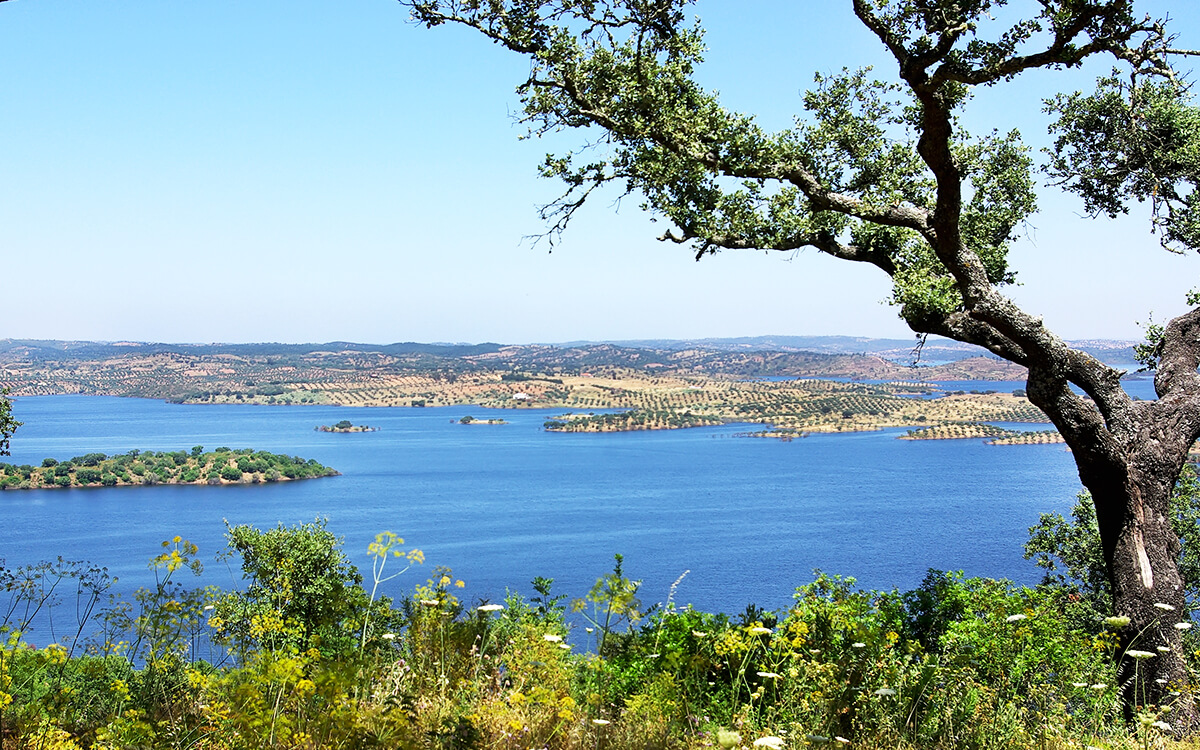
(877, 169)
(302, 592)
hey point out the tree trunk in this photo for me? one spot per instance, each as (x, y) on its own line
(1131, 475)
(1141, 551)
(1130, 455)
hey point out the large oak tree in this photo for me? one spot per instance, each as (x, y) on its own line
(879, 170)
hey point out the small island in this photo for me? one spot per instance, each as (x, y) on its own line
(473, 420)
(140, 468)
(345, 426)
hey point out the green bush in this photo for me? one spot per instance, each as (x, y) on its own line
(316, 661)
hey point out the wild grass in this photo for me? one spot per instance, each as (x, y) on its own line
(308, 656)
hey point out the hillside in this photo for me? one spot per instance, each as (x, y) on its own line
(324, 373)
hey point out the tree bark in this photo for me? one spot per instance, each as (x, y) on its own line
(1140, 550)
(1129, 462)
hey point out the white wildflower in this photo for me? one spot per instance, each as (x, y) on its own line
(601, 722)
(388, 636)
(858, 644)
(1133, 653)
(760, 630)
(1183, 626)
(1015, 618)
(772, 675)
(885, 692)
(1164, 607)
(774, 743)
(491, 607)
(552, 638)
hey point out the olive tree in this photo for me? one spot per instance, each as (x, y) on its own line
(879, 170)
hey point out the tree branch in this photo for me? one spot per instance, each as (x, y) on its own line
(905, 216)
(1180, 357)
(823, 243)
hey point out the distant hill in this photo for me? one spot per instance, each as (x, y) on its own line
(900, 351)
(85, 350)
(271, 371)
(309, 373)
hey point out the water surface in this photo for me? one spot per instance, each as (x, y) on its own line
(750, 518)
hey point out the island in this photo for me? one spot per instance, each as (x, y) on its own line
(473, 420)
(345, 426)
(143, 468)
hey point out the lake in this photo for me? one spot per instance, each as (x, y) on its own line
(749, 518)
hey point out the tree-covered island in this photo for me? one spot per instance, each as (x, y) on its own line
(475, 420)
(143, 468)
(345, 426)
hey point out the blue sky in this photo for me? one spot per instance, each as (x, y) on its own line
(316, 170)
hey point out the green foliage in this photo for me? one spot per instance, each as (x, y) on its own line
(1132, 139)
(8, 425)
(150, 467)
(863, 162)
(87, 476)
(302, 593)
(958, 663)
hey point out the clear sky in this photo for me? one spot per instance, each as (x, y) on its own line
(318, 170)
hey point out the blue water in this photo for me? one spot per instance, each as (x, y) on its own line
(750, 518)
